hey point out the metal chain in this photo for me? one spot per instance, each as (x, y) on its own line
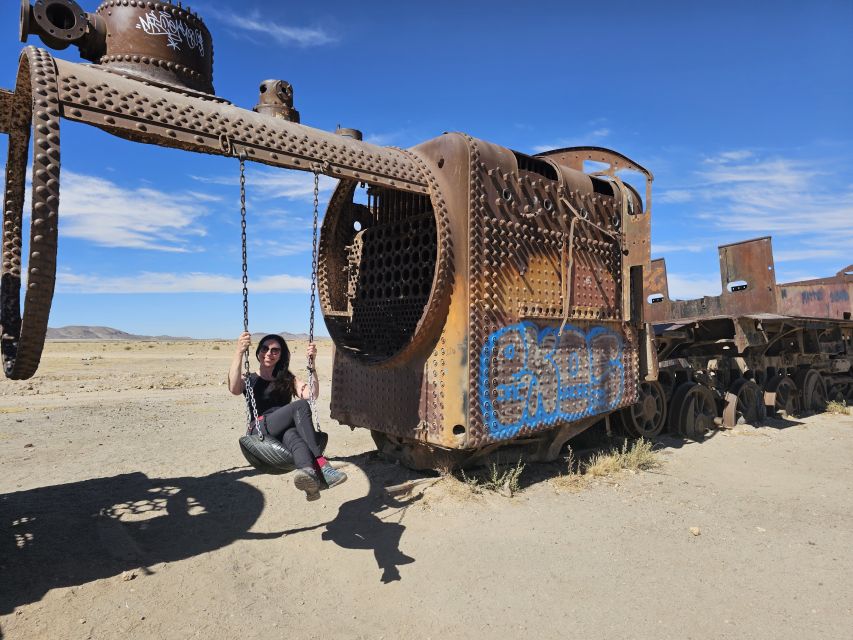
(312, 373)
(251, 406)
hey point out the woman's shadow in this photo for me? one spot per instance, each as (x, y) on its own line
(360, 523)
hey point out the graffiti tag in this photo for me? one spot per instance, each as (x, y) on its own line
(164, 24)
(531, 377)
(812, 296)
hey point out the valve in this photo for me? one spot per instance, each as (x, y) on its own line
(60, 23)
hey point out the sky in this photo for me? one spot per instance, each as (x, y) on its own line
(741, 110)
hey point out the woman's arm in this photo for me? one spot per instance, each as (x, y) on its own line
(235, 380)
(303, 390)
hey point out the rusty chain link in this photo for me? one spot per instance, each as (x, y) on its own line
(251, 406)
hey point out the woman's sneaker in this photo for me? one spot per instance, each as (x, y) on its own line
(332, 476)
(306, 480)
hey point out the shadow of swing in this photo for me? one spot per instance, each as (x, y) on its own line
(70, 534)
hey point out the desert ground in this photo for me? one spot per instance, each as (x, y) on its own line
(127, 511)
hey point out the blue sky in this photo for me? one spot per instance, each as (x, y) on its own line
(742, 110)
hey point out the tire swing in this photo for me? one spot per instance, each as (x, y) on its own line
(264, 453)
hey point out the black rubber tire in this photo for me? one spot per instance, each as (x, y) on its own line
(267, 455)
(271, 456)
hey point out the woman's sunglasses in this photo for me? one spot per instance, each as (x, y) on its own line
(274, 351)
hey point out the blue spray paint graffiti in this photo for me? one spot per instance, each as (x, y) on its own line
(812, 296)
(546, 377)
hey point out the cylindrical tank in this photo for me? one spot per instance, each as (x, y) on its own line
(490, 309)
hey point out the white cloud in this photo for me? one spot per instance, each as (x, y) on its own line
(692, 286)
(743, 192)
(673, 196)
(662, 248)
(730, 156)
(253, 24)
(194, 282)
(105, 213)
(806, 254)
(277, 248)
(388, 137)
(274, 183)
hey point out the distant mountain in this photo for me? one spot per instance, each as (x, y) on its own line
(77, 332)
(283, 334)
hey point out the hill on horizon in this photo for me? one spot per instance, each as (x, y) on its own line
(82, 332)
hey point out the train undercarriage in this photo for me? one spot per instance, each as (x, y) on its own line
(759, 349)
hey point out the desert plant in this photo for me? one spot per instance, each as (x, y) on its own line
(499, 478)
(636, 457)
(639, 456)
(837, 408)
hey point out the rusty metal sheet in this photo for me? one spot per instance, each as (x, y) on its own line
(6, 102)
(656, 292)
(748, 279)
(820, 298)
(526, 375)
(499, 367)
(748, 276)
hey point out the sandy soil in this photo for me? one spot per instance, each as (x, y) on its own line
(127, 511)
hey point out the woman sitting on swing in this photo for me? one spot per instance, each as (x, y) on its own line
(283, 416)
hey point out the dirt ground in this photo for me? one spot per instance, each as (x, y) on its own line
(127, 511)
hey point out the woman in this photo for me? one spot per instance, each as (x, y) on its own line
(282, 417)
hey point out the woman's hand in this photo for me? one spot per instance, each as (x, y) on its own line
(311, 352)
(235, 381)
(244, 342)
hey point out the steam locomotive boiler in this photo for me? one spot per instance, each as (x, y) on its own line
(503, 306)
(475, 295)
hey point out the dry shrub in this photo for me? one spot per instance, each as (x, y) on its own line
(498, 478)
(639, 456)
(837, 408)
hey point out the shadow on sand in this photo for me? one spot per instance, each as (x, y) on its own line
(70, 534)
(374, 521)
(74, 533)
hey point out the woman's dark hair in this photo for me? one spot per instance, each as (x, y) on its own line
(284, 382)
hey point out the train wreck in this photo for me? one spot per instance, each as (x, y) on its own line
(758, 346)
(480, 297)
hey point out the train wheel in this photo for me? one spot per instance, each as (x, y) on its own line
(693, 411)
(812, 389)
(744, 404)
(840, 391)
(781, 396)
(647, 417)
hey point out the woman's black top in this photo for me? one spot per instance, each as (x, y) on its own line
(266, 398)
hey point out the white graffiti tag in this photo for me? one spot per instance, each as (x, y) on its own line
(177, 31)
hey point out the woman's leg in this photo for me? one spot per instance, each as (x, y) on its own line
(296, 417)
(305, 426)
(302, 457)
(277, 421)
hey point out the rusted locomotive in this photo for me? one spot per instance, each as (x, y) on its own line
(757, 347)
(476, 295)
